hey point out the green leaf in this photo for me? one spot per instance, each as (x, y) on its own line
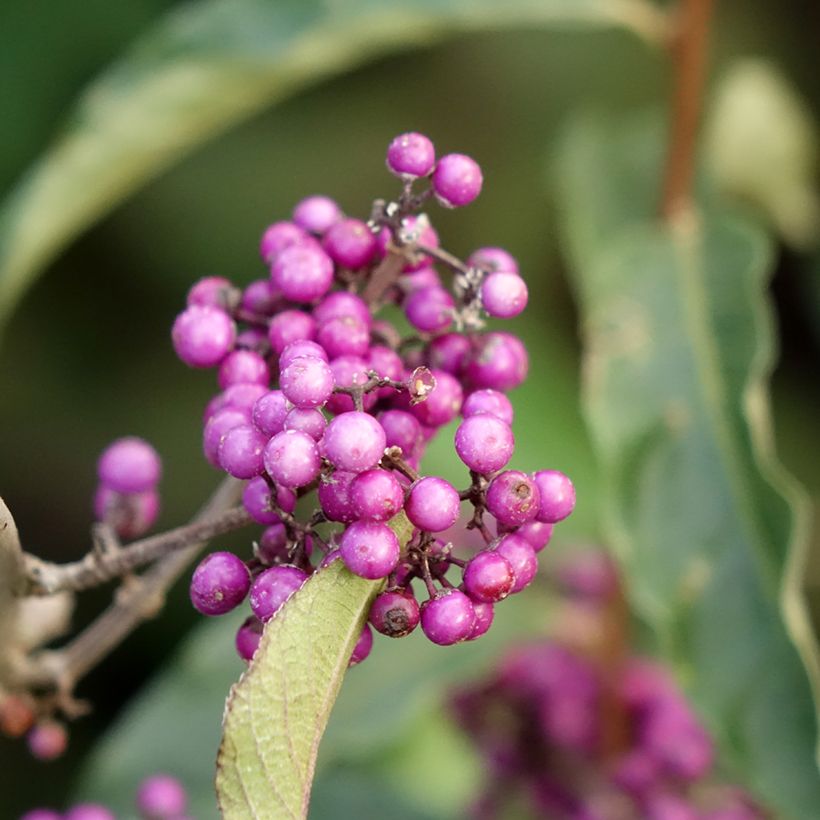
(276, 715)
(761, 146)
(207, 66)
(678, 350)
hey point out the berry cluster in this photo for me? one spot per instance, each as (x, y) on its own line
(580, 731)
(319, 394)
(159, 797)
(126, 498)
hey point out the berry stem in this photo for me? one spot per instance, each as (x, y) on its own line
(393, 460)
(134, 602)
(108, 560)
(689, 50)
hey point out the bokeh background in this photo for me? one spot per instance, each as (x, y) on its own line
(87, 356)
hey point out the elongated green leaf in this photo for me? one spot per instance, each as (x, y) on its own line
(209, 65)
(679, 347)
(276, 714)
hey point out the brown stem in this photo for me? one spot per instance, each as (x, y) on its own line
(102, 565)
(446, 258)
(137, 600)
(689, 53)
(384, 276)
(394, 458)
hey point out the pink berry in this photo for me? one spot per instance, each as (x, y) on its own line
(457, 180)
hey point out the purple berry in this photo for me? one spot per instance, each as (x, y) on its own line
(130, 514)
(247, 638)
(350, 243)
(484, 443)
(394, 613)
(273, 546)
(492, 259)
(161, 797)
(292, 459)
(238, 396)
(47, 740)
(310, 421)
(354, 441)
(340, 303)
(240, 451)
(430, 309)
(217, 427)
(348, 371)
(504, 294)
(261, 297)
(344, 336)
(334, 496)
(457, 180)
(537, 533)
(513, 498)
(307, 382)
(370, 549)
(448, 618)
(499, 361)
(279, 236)
(557, 496)
(290, 326)
(203, 336)
(213, 291)
(297, 350)
(272, 588)
(269, 412)
(363, 646)
(410, 156)
(219, 584)
(522, 559)
(317, 214)
(401, 429)
(484, 614)
(89, 811)
(257, 500)
(376, 495)
(443, 402)
(243, 367)
(433, 504)
(303, 273)
(488, 401)
(129, 465)
(448, 352)
(488, 577)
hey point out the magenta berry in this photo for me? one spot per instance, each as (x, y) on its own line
(350, 243)
(247, 638)
(344, 336)
(47, 740)
(269, 412)
(433, 504)
(484, 614)
(363, 646)
(298, 349)
(401, 429)
(488, 401)
(129, 465)
(521, 557)
(258, 501)
(130, 514)
(212, 291)
(430, 309)
(339, 304)
(161, 797)
(504, 294)
(334, 496)
(310, 421)
(277, 237)
(488, 577)
(243, 367)
(354, 441)
(217, 427)
(457, 180)
(442, 403)
(272, 588)
(203, 336)
(448, 618)
(369, 549)
(290, 326)
(499, 361)
(240, 451)
(394, 613)
(557, 496)
(316, 214)
(303, 273)
(219, 584)
(513, 498)
(484, 443)
(292, 459)
(537, 533)
(376, 495)
(493, 259)
(410, 156)
(307, 382)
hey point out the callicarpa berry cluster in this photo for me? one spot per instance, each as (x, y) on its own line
(317, 393)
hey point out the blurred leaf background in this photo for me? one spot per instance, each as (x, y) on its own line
(86, 355)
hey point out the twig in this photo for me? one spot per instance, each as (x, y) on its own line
(689, 52)
(102, 565)
(136, 601)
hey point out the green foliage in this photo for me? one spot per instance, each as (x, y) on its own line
(207, 66)
(679, 349)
